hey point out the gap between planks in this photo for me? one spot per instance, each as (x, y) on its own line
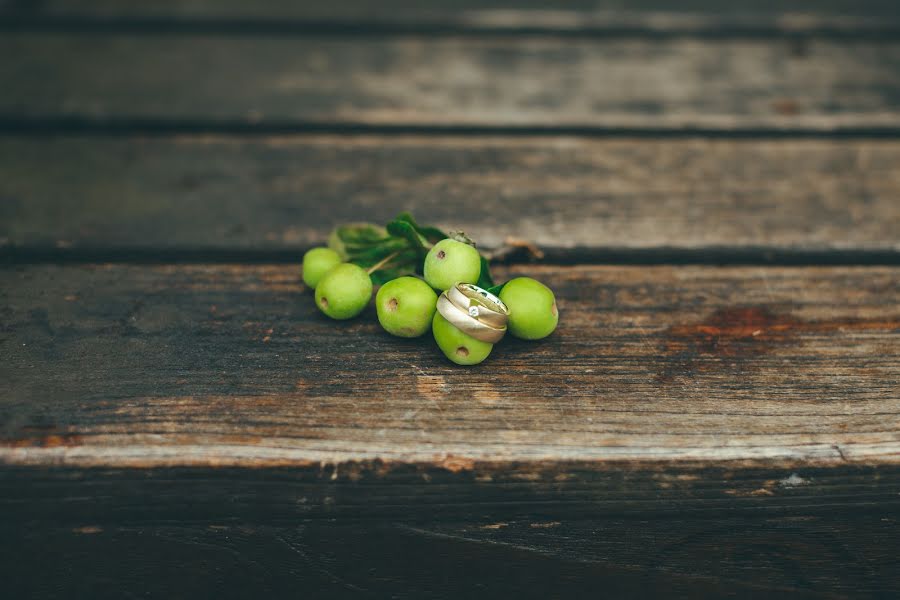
(490, 17)
(11, 256)
(849, 127)
(869, 30)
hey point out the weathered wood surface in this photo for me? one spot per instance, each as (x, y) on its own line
(591, 16)
(688, 431)
(850, 555)
(612, 84)
(189, 430)
(220, 194)
(232, 365)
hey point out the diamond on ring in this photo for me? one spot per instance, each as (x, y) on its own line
(473, 311)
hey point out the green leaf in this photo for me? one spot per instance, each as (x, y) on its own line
(406, 216)
(362, 233)
(382, 276)
(485, 280)
(496, 289)
(367, 244)
(400, 264)
(370, 256)
(403, 229)
(431, 234)
(345, 239)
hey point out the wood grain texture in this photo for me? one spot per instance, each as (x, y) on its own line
(201, 430)
(703, 16)
(797, 556)
(227, 194)
(233, 365)
(610, 84)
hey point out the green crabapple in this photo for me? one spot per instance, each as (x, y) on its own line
(456, 345)
(532, 308)
(406, 307)
(450, 262)
(316, 263)
(344, 291)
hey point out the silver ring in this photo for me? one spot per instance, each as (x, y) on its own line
(480, 304)
(468, 324)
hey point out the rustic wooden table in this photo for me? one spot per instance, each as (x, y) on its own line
(716, 188)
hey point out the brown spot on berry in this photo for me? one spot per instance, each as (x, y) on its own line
(554, 311)
(462, 351)
(441, 255)
(324, 302)
(392, 304)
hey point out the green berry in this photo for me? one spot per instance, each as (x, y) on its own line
(456, 345)
(532, 308)
(450, 262)
(406, 306)
(316, 263)
(344, 291)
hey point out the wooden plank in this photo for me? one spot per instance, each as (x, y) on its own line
(220, 194)
(611, 84)
(692, 430)
(810, 556)
(704, 16)
(233, 365)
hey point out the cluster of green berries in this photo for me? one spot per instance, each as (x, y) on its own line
(407, 305)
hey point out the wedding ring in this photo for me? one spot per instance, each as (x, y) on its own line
(465, 322)
(480, 304)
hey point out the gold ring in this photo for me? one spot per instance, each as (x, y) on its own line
(468, 324)
(480, 304)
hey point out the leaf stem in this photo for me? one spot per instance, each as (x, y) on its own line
(382, 262)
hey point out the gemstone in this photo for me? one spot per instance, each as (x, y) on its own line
(473, 311)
